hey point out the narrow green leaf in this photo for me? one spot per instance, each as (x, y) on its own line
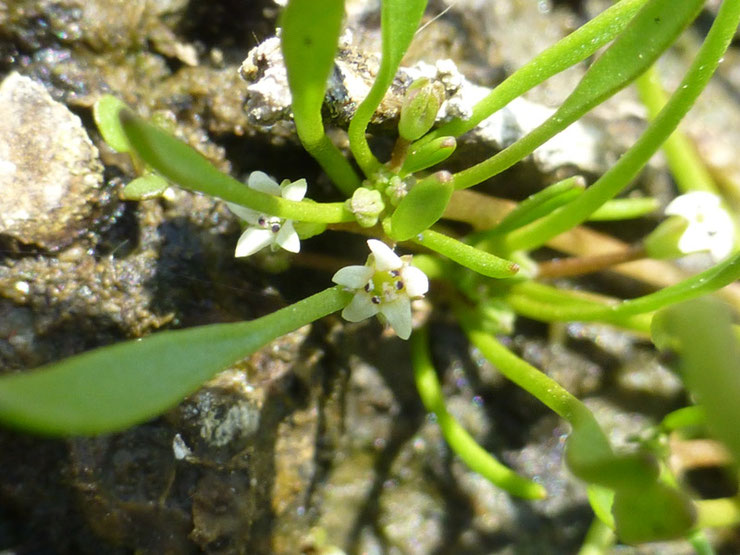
(624, 209)
(115, 387)
(310, 32)
(421, 207)
(461, 442)
(628, 166)
(540, 203)
(399, 20)
(185, 166)
(576, 47)
(477, 260)
(647, 36)
(105, 113)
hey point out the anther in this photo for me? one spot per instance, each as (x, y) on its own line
(375, 299)
(275, 228)
(399, 285)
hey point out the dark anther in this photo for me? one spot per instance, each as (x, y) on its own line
(395, 273)
(261, 221)
(375, 299)
(399, 285)
(368, 287)
(275, 228)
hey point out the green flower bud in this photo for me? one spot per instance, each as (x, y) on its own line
(663, 241)
(429, 155)
(419, 109)
(367, 205)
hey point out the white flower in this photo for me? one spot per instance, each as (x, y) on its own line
(265, 230)
(710, 228)
(385, 285)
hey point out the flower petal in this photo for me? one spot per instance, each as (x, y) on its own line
(287, 238)
(354, 277)
(692, 205)
(294, 191)
(416, 281)
(385, 258)
(252, 240)
(359, 308)
(244, 213)
(260, 181)
(398, 314)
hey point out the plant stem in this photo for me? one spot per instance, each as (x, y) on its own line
(459, 440)
(576, 266)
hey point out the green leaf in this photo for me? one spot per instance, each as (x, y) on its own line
(477, 260)
(399, 20)
(710, 363)
(652, 513)
(421, 207)
(145, 187)
(576, 47)
(647, 36)
(461, 442)
(628, 166)
(185, 166)
(115, 387)
(625, 209)
(105, 113)
(310, 32)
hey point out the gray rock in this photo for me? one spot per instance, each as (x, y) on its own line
(50, 174)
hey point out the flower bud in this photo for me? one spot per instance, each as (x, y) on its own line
(367, 205)
(419, 109)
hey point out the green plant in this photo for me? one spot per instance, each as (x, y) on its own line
(488, 275)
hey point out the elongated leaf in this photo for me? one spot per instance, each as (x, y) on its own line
(310, 32)
(477, 260)
(461, 442)
(646, 37)
(576, 47)
(399, 20)
(115, 387)
(710, 363)
(185, 166)
(620, 174)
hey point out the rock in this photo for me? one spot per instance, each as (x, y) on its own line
(50, 174)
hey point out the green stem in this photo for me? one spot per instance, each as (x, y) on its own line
(333, 162)
(459, 440)
(618, 176)
(599, 539)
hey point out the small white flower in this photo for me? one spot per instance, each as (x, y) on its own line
(384, 285)
(265, 230)
(710, 228)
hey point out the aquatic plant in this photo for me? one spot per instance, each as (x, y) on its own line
(487, 276)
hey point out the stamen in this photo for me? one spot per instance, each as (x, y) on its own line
(395, 273)
(399, 285)
(368, 286)
(261, 221)
(375, 299)
(275, 228)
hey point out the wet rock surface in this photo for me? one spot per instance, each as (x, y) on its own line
(318, 441)
(50, 174)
